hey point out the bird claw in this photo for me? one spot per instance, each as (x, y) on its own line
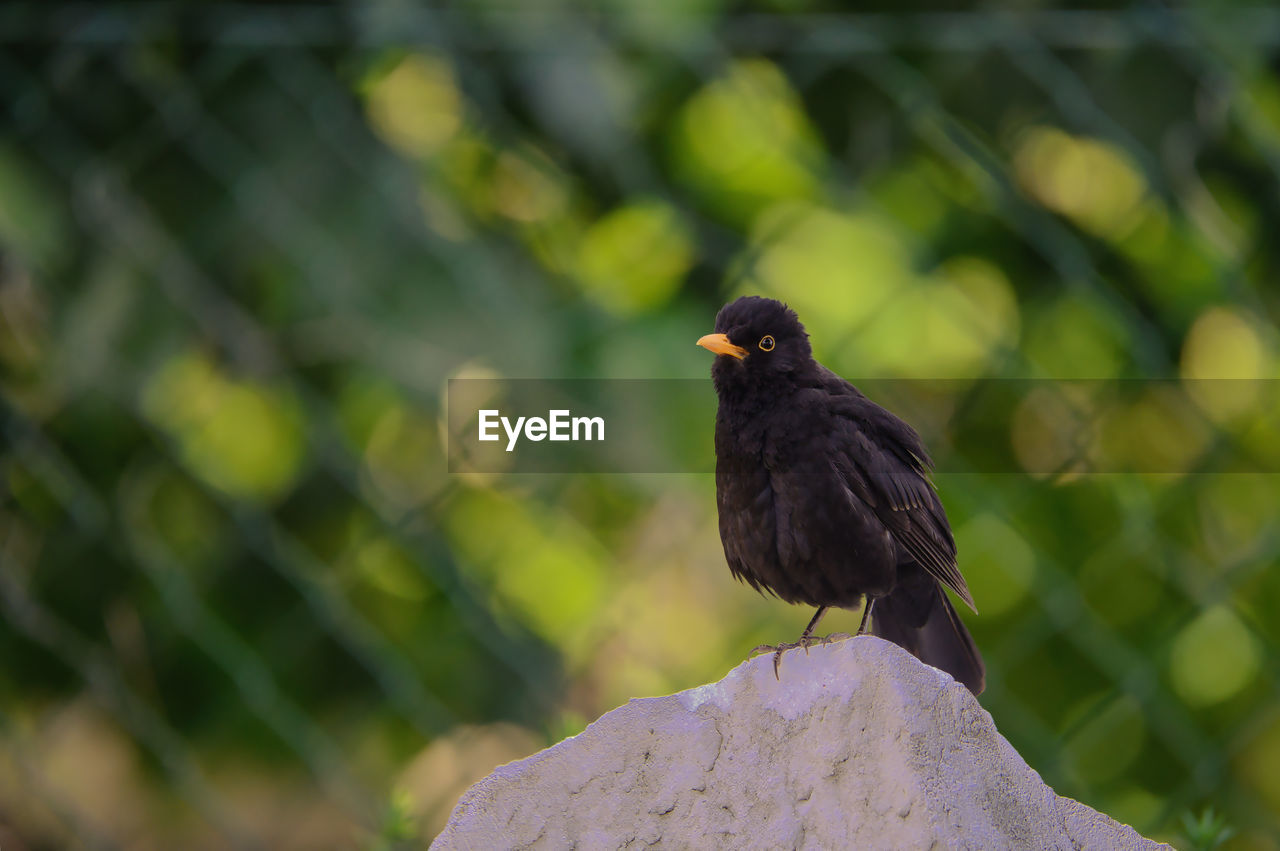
(814, 640)
(777, 650)
(806, 641)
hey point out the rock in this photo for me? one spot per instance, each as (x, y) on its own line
(859, 746)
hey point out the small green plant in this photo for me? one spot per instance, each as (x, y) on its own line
(1206, 832)
(399, 828)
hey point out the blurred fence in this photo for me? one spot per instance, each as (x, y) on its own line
(245, 246)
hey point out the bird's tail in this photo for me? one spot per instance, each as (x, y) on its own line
(919, 617)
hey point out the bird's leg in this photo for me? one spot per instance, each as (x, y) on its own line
(806, 637)
(806, 640)
(866, 615)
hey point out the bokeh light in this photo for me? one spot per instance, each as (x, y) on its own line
(1213, 658)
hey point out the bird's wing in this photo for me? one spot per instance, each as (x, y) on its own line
(884, 463)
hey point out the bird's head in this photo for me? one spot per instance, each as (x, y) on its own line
(757, 341)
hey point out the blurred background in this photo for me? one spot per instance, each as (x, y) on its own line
(243, 247)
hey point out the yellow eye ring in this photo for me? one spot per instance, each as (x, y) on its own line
(766, 343)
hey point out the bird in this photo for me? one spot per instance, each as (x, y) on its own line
(824, 497)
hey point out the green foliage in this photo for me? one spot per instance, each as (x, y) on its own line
(399, 830)
(242, 251)
(1205, 832)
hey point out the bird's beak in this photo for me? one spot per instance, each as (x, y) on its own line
(719, 343)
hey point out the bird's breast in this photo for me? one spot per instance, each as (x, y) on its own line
(788, 520)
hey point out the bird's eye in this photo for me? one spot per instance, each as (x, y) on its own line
(766, 343)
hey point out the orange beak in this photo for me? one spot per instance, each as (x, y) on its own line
(719, 343)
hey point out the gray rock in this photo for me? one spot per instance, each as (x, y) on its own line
(859, 746)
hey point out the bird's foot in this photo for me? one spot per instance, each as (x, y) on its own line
(777, 650)
(805, 641)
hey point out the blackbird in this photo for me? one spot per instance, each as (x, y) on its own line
(824, 496)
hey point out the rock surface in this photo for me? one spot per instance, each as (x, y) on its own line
(859, 746)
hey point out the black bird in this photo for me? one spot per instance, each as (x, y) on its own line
(824, 496)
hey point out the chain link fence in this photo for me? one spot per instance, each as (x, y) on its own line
(244, 247)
